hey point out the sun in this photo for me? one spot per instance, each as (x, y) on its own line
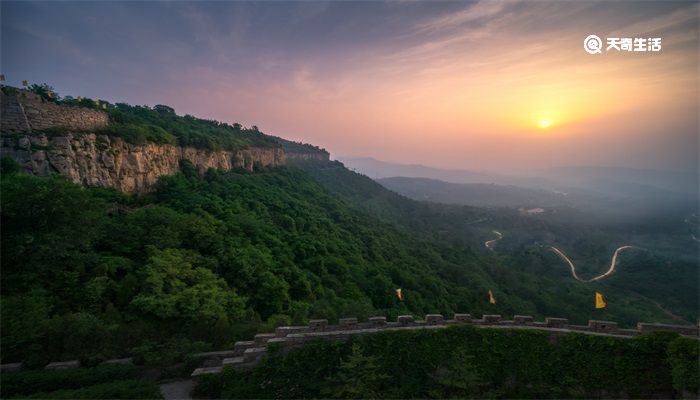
(544, 123)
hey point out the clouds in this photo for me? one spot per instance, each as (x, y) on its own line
(439, 83)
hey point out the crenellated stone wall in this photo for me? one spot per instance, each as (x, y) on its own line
(26, 111)
(247, 354)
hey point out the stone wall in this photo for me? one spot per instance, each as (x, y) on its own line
(26, 111)
(98, 160)
(318, 156)
(249, 353)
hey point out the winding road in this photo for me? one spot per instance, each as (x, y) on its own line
(490, 243)
(613, 264)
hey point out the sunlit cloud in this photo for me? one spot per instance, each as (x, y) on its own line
(467, 85)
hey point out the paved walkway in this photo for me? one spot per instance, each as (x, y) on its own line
(177, 390)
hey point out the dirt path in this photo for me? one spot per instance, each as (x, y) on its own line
(610, 271)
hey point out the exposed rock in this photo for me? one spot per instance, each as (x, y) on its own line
(98, 160)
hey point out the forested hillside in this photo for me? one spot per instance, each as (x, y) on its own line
(206, 260)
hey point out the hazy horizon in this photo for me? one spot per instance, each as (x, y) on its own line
(507, 171)
(497, 86)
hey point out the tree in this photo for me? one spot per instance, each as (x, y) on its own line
(358, 377)
(174, 290)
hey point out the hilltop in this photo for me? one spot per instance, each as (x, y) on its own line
(97, 143)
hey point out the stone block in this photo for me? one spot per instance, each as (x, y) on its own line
(262, 338)
(318, 325)
(602, 326)
(556, 322)
(63, 365)
(229, 362)
(434, 319)
(463, 317)
(405, 320)
(254, 353)
(278, 340)
(523, 319)
(491, 319)
(347, 323)
(688, 330)
(377, 321)
(207, 370)
(11, 367)
(241, 346)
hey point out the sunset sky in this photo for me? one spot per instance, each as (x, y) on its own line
(485, 85)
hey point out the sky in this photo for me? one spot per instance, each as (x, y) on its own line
(501, 86)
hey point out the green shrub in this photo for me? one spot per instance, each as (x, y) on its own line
(683, 355)
(123, 389)
(171, 351)
(27, 382)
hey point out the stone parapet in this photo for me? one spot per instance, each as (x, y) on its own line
(290, 337)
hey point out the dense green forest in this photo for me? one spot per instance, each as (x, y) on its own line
(470, 362)
(659, 276)
(203, 261)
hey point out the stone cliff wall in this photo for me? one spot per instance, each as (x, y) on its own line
(99, 160)
(26, 111)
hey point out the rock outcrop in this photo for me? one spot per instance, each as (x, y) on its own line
(94, 159)
(99, 160)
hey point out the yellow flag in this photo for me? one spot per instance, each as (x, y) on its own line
(399, 295)
(599, 300)
(492, 299)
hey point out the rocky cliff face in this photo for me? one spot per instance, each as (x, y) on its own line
(99, 160)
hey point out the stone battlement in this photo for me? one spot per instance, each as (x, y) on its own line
(249, 353)
(26, 111)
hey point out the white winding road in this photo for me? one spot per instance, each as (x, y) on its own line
(613, 264)
(490, 243)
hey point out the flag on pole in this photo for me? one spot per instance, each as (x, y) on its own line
(399, 295)
(492, 299)
(25, 83)
(599, 300)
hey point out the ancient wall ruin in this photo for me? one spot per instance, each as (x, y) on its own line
(249, 353)
(27, 111)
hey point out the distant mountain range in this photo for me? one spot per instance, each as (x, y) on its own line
(604, 181)
(610, 193)
(473, 194)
